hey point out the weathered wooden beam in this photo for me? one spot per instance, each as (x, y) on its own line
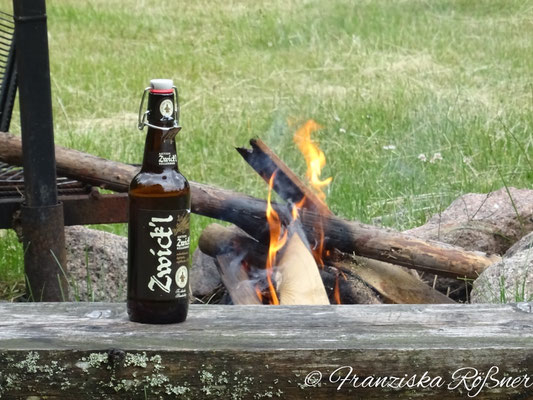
(92, 351)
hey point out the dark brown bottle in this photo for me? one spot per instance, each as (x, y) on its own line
(159, 214)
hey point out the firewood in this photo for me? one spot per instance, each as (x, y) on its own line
(249, 214)
(235, 279)
(394, 284)
(390, 280)
(300, 280)
(286, 183)
(232, 248)
(348, 236)
(217, 239)
(344, 287)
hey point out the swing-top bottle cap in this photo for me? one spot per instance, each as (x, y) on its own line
(161, 86)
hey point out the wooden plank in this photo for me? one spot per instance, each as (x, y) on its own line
(91, 351)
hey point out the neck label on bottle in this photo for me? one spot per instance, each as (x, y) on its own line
(162, 254)
(167, 159)
(166, 108)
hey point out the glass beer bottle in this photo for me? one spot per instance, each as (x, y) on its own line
(159, 214)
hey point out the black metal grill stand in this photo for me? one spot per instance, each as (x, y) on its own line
(42, 214)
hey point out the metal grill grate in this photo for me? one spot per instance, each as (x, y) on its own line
(12, 183)
(8, 74)
(7, 29)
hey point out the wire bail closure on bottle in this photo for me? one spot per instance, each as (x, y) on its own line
(168, 132)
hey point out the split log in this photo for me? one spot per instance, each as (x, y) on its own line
(235, 279)
(394, 284)
(230, 249)
(249, 214)
(300, 280)
(344, 287)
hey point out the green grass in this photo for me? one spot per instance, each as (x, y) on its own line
(448, 77)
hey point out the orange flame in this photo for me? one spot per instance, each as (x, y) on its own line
(318, 249)
(314, 157)
(296, 207)
(316, 160)
(277, 239)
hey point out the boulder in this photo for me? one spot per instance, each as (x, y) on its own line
(511, 279)
(97, 264)
(490, 223)
(205, 278)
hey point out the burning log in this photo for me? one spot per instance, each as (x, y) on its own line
(249, 214)
(299, 281)
(286, 183)
(217, 240)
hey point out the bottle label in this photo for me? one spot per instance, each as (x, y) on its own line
(163, 248)
(167, 158)
(166, 108)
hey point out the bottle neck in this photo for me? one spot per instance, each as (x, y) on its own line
(159, 151)
(159, 154)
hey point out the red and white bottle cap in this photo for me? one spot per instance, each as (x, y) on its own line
(161, 86)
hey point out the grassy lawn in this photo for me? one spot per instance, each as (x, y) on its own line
(391, 82)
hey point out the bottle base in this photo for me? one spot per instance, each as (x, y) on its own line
(157, 312)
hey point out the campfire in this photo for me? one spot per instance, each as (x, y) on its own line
(289, 265)
(291, 252)
(284, 269)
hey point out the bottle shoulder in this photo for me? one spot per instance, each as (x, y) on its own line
(169, 181)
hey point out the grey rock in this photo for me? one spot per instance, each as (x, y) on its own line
(97, 265)
(484, 222)
(205, 278)
(479, 222)
(511, 279)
